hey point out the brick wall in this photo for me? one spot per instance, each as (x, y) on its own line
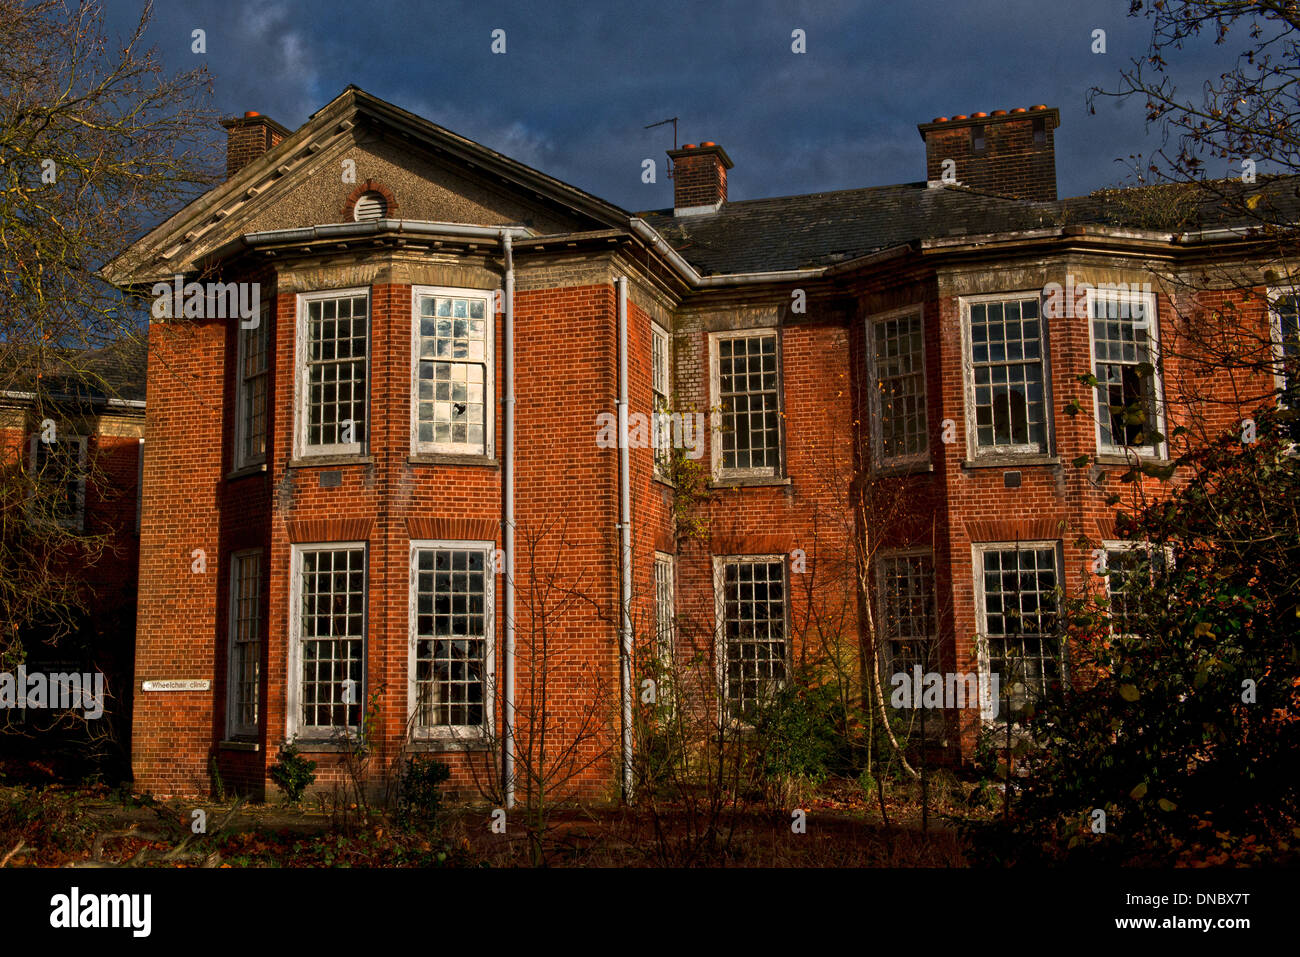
(172, 733)
(566, 508)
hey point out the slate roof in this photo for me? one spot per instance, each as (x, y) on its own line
(114, 371)
(820, 229)
(121, 367)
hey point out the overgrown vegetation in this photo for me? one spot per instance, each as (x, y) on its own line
(690, 480)
(800, 739)
(1181, 723)
(50, 822)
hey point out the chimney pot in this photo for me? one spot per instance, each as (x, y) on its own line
(1011, 154)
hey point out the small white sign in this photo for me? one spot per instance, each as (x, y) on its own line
(177, 684)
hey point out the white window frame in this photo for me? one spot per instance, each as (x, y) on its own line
(661, 343)
(715, 391)
(1125, 545)
(876, 406)
(293, 694)
(973, 449)
(978, 549)
(489, 375)
(1275, 293)
(77, 522)
(303, 391)
(903, 553)
(1155, 450)
(447, 732)
(720, 637)
(242, 382)
(139, 484)
(233, 727)
(665, 633)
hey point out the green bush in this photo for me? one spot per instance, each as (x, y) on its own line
(800, 733)
(658, 757)
(867, 781)
(419, 796)
(292, 773)
(989, 749)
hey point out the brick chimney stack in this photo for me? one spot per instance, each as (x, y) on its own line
(248, 137)
(699, 178)
(1007, 152)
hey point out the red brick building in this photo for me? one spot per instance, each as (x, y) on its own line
(79, 450)
(386, 484)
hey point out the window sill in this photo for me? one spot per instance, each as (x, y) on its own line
(246, 471)
(665, 482)
(76, 528)
(750, 481)
(1011, 461)
(76, 525)
(449, 744)
(1118, 458)
(314, 461)
(737, 726)
(452, 458)
(239, 746)
(916, 468)
(324, 745)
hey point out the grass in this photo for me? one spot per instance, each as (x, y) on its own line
(93, 826)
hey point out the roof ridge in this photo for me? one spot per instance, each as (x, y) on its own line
(827, 192)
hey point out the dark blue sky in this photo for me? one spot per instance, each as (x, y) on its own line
(578, 82)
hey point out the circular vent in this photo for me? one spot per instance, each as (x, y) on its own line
(369, 206)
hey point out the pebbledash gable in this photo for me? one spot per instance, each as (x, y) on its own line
(426, 477)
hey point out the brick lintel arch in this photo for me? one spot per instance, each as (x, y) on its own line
(370, 186)
(1015, 530)
(303, 531)
(452, 529)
